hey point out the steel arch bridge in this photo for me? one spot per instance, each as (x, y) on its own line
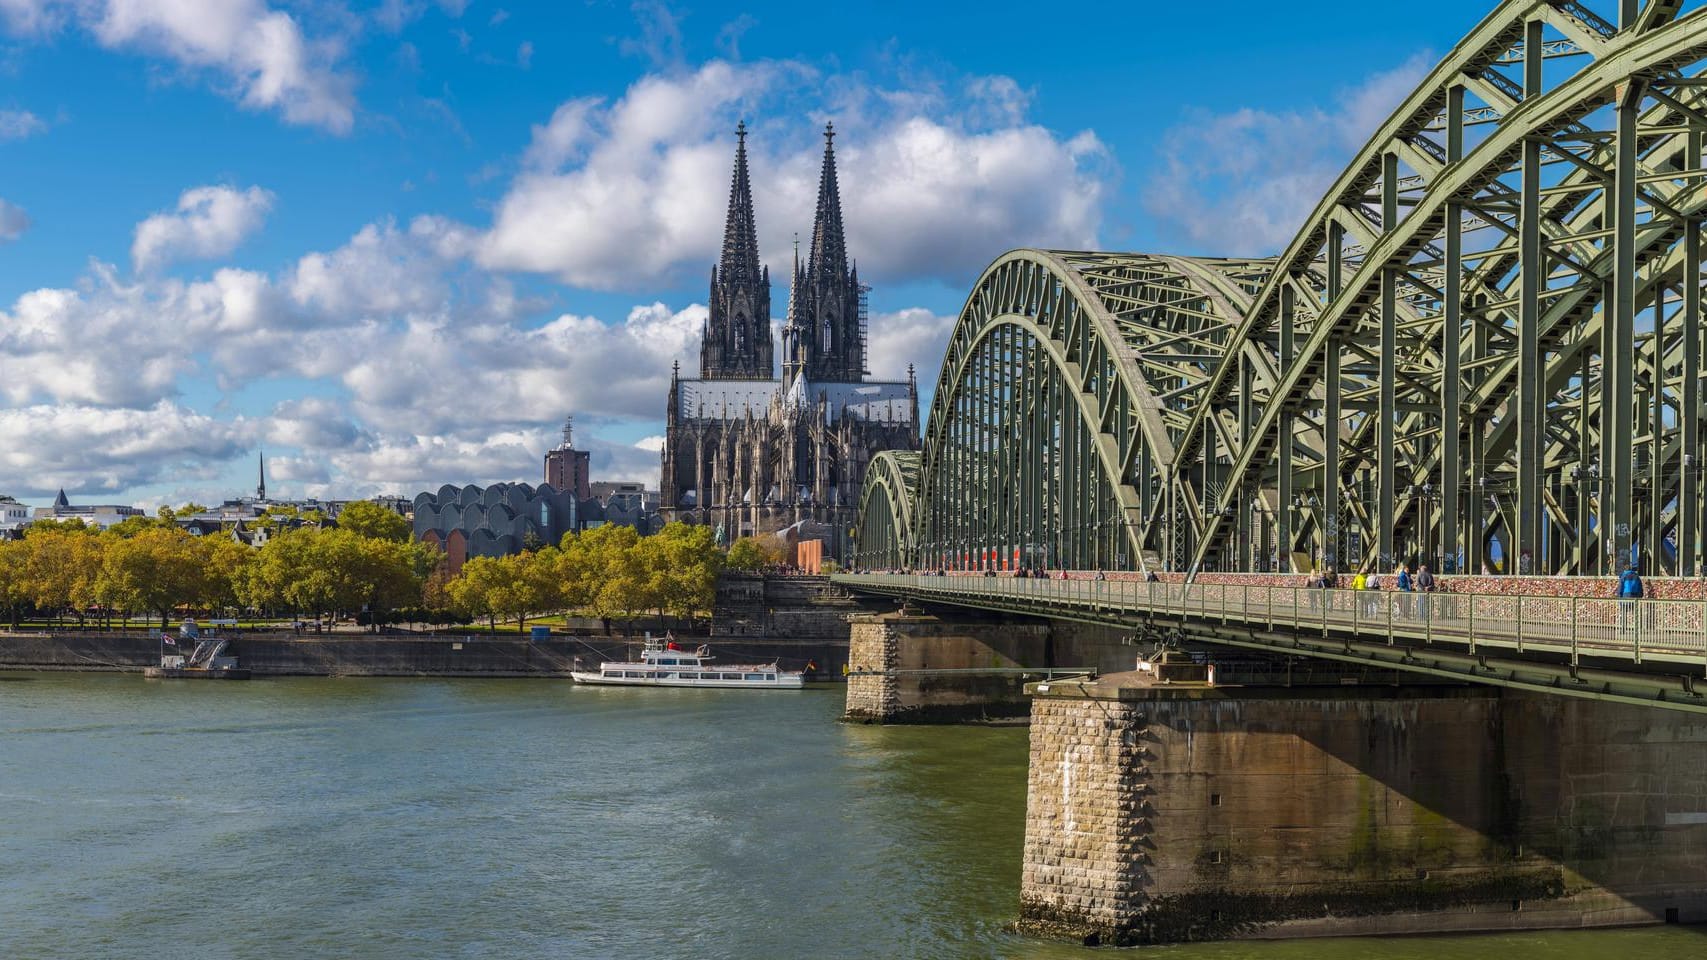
(1483, 347)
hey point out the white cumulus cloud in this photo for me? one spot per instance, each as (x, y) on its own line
(1241, 183)
(913, 336)
(631, 193)
(209, 222)
(84, 448)
(261, 56)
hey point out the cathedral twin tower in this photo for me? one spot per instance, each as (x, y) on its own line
(824, 335)
(752, 453)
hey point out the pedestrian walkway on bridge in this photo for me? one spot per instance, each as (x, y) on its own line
(1636, 650)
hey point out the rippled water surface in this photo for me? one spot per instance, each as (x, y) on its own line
(469, 819)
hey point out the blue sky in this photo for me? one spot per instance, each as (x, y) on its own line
(397, 242)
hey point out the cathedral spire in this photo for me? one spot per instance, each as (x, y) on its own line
(736, 343)
(740, 236)
(833, 316)
(261, 487)
(829, 254)
(796, 334)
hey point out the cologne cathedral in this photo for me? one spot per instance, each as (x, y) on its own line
(751, 453)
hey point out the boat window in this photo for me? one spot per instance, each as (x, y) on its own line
(754, 676)
(731, 676)
(668, 663)
(690, 676)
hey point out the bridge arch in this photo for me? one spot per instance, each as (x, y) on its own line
(1507, 342)
(884, 537)
(1065, 385)
(1482, 348)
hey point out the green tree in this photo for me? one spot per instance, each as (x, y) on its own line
(478, 589)
(61, 566)
(680, 564)
(752, 554)
(14, 559)
(441, 606)
(519, 590)
(601, 571)
(227, 568)
(364, 518)
(391, 572)
(131, 526)
(154, 571)
(70, 524)
(287, 575)
(538, 587)
(327, 572)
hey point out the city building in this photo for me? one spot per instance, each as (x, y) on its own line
(494, 521)
(747, 451)
(606, 490)
(622, 502)
(402, 506)
(14, 516)
(567, 468)
(101, 515)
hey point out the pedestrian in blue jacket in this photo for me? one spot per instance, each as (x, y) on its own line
(1629, 591)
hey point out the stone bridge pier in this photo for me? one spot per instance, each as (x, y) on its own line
(1160, 813)
(907, 667)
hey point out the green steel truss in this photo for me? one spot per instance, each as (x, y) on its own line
(886, 506)
(1482, 349)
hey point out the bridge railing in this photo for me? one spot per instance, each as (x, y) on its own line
(1634, 629)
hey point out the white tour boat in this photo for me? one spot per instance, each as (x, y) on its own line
(662, 666)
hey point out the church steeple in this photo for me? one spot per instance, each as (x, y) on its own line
(796, 334)
(261, 487)
(740, 237)
(737, 339)
(829, 254)
(832, 312)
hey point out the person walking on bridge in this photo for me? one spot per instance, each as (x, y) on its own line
(1629, 591)
(1404, 585)
(1371, 586)
(1426, 584)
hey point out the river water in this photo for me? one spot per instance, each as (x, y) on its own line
(345, 818)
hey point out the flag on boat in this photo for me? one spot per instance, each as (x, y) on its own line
(168, 638)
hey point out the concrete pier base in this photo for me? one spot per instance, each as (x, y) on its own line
(1162, 814)
(906, 668)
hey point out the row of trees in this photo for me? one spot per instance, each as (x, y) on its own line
(609, 571)
(148, 565)
(368, 563)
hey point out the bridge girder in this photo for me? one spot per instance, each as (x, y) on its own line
(885, 531)
(1482, 345)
